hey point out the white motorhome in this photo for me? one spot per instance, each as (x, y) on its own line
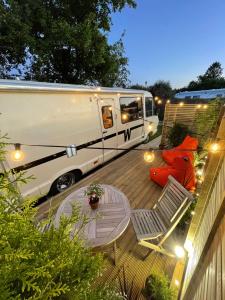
(34, 113)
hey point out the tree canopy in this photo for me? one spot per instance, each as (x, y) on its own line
(211, 79)
(62, 41)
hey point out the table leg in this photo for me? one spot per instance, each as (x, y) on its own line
(115, 253)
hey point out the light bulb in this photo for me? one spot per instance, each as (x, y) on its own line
(179, 251)
(98, 89)
(17, 154)
(205, 106)
(149, 156)
(181, 103)
(177, 283)
(124, 117)
(159, 102)
(156, 98)
(199, 106)
(199, 172)
(168, 101)
(138, 98)
(214, 147)
(150, 127)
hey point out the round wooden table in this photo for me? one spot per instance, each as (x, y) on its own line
(106, 223)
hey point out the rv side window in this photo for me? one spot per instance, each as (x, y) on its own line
(148, 107)
(107, 116)
(131, 109)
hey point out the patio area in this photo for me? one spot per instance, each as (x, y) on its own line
(130, 174)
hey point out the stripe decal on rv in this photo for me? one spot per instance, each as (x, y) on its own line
(48, 158)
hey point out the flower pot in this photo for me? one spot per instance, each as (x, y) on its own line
(94, 201)
(94, 205)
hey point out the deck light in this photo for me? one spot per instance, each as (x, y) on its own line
(156, 98)
(96, 95)
(98, 89)
(159, 101)
(179, 251)
(168, 101)
(149, 156)
(17, 154)
(199, 106)
(138, 98)
(214, 147)
(192, 213)
(205, 106)
(110, 108)
(118, 94)
(181, 103)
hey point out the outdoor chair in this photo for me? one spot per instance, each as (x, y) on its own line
(153, 227)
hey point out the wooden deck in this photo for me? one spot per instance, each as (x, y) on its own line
(130, 174)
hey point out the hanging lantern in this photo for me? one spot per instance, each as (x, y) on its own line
(149, 156)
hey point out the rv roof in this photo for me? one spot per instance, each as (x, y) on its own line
(44, 86)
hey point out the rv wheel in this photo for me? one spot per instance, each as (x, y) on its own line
(63, 182)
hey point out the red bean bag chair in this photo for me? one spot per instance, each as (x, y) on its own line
(188, 143)
(181, 169)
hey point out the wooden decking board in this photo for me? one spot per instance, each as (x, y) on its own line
(130, 174)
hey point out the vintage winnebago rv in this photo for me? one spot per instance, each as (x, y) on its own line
(34, 113)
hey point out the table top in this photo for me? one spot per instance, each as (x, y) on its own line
(106, 223)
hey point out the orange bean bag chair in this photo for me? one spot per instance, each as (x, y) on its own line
(189, 143)
(181, 169)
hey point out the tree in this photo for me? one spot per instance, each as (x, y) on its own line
(42, 264)
(161, 89)
(211, 79)
(214, 71)
(62, 41)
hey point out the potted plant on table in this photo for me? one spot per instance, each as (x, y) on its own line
(94, 191)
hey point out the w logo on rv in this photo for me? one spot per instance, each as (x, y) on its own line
(127, 134)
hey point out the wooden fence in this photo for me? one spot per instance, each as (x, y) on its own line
(187, 114)
(202, 231)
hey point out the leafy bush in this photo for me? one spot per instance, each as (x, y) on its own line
(157, 287)
(42, 264)
(177, 134)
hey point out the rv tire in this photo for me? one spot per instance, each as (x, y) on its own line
(63, 182)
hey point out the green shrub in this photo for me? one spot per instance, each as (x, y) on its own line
(42, 264)
(157, 287)
(177, 134)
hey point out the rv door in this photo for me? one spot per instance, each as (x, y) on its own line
(108, 127)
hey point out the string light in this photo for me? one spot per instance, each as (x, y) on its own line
(168, 101)
(199, 106)
(205, 106)
(159, 101)
(181, 103)
(17, 154)
(214, 147)
(150, 127)
(156, 98)
(177, 283)
(124, 117)
(149, 156)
